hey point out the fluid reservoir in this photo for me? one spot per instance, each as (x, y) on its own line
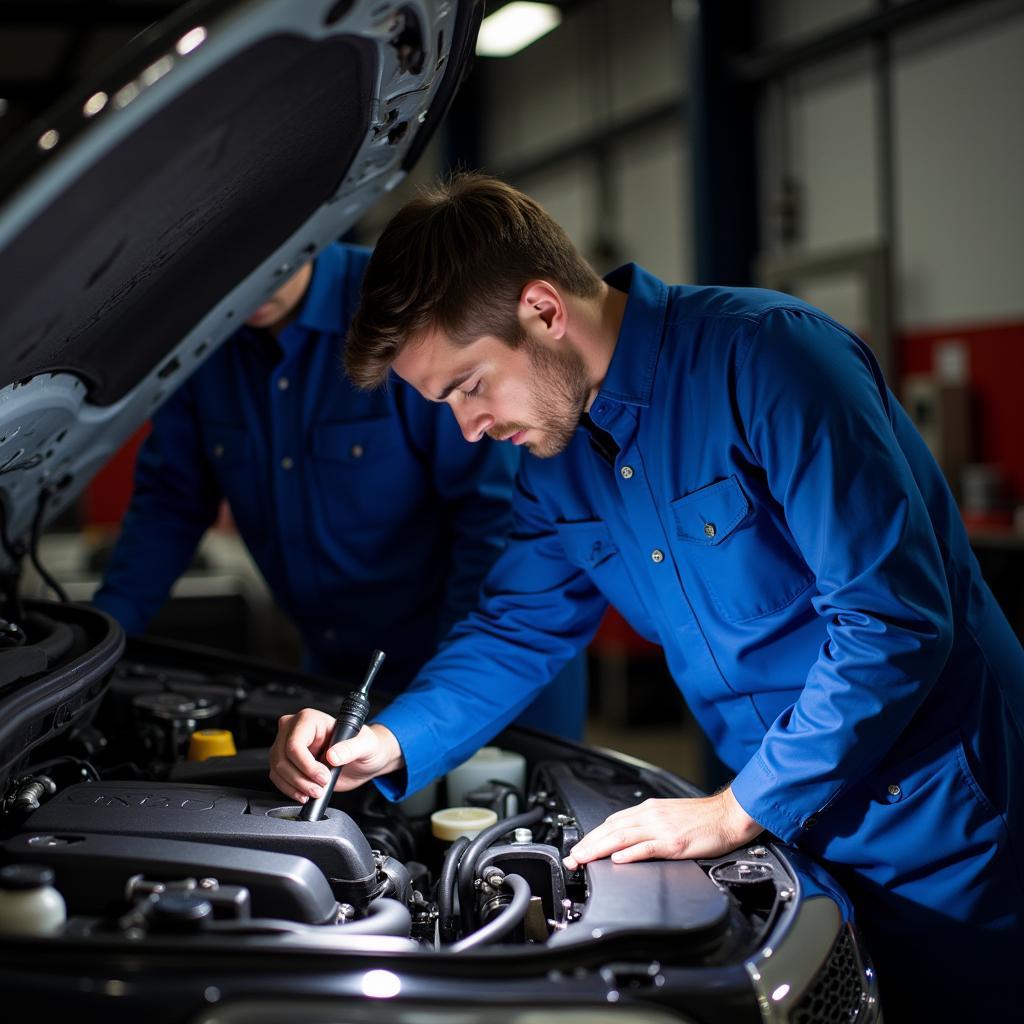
(486, 764)
(451, 822)
(29, 904)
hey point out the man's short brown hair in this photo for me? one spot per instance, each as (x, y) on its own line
(456, 259)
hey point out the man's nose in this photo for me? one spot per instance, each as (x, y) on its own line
(473, 423)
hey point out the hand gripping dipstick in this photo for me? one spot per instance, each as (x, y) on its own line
(354, 709)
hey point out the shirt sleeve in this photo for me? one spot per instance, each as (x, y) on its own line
(815, 410)
(536, 611)
(174, 500)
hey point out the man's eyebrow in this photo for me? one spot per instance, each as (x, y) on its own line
(450, 387)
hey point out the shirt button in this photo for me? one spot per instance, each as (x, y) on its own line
(218, 450)
(894, 790)
(709, 530)
(282, 383)
(657, 555)
(626, 472)
(356, 451)
(287, 462)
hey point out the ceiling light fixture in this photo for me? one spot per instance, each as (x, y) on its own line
(513, 27)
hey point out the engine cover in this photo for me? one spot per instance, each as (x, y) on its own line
(212, 814)
(91, 871)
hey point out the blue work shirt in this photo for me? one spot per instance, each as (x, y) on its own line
(369, 516)
(772, 519)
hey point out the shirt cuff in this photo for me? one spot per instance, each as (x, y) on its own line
(756, 789)
(419, 744)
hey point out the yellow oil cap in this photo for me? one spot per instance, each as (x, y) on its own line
(451, 822)
(211, 743)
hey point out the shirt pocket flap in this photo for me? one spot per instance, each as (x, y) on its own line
(707, 516)
(587, 542)
(354, 441)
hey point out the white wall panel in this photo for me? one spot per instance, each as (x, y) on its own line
(569, 192)
(832, 124)
(646, 57)
(654, 223)
(960, 122)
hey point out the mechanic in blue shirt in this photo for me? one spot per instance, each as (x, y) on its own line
(728, 468)
(370, 518)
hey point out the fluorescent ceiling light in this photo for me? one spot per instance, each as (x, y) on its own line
(513, 27)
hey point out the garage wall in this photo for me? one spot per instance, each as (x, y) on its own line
(958, 125)
(589, 120)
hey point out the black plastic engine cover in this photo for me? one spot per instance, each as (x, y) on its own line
(91, 871)
(212, 814)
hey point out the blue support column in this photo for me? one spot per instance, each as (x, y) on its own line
(723, 145)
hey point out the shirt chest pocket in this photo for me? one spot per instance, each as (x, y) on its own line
(586, 543)
(748, 565)
(357, 464)
(589, 545)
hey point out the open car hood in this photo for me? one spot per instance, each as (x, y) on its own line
(143, 217)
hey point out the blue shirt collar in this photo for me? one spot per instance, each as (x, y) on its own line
(321, 309)
(630, 376)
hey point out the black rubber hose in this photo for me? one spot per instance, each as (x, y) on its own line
(383, 917)
(501, 925)
(467, 866)
(33, 550)
(446, 887)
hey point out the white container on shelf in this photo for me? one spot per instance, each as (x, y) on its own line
(486, 764)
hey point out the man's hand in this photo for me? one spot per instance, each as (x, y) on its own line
(294, 767)
(668, 830)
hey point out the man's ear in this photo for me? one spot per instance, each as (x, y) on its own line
(542, 301)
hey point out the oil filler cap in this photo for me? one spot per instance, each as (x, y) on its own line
(206, 743)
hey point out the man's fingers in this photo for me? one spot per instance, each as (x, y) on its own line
(293, 767)
(298, 774)
(604, 841)
(361, 747)
(292, 782)
(305, 733)
(288, 787)
(647, 850)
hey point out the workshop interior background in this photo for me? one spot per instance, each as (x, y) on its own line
(864, 154)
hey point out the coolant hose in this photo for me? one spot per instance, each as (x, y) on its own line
(467, 866)
(501, 925)
(384, 916)
(446, 887)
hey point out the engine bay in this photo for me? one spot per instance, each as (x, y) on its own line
(143, 841)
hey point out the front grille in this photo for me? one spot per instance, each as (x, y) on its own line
(837, 994)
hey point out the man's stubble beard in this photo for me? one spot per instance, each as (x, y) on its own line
(558, 401)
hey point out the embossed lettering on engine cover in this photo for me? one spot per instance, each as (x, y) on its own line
(150, 801)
